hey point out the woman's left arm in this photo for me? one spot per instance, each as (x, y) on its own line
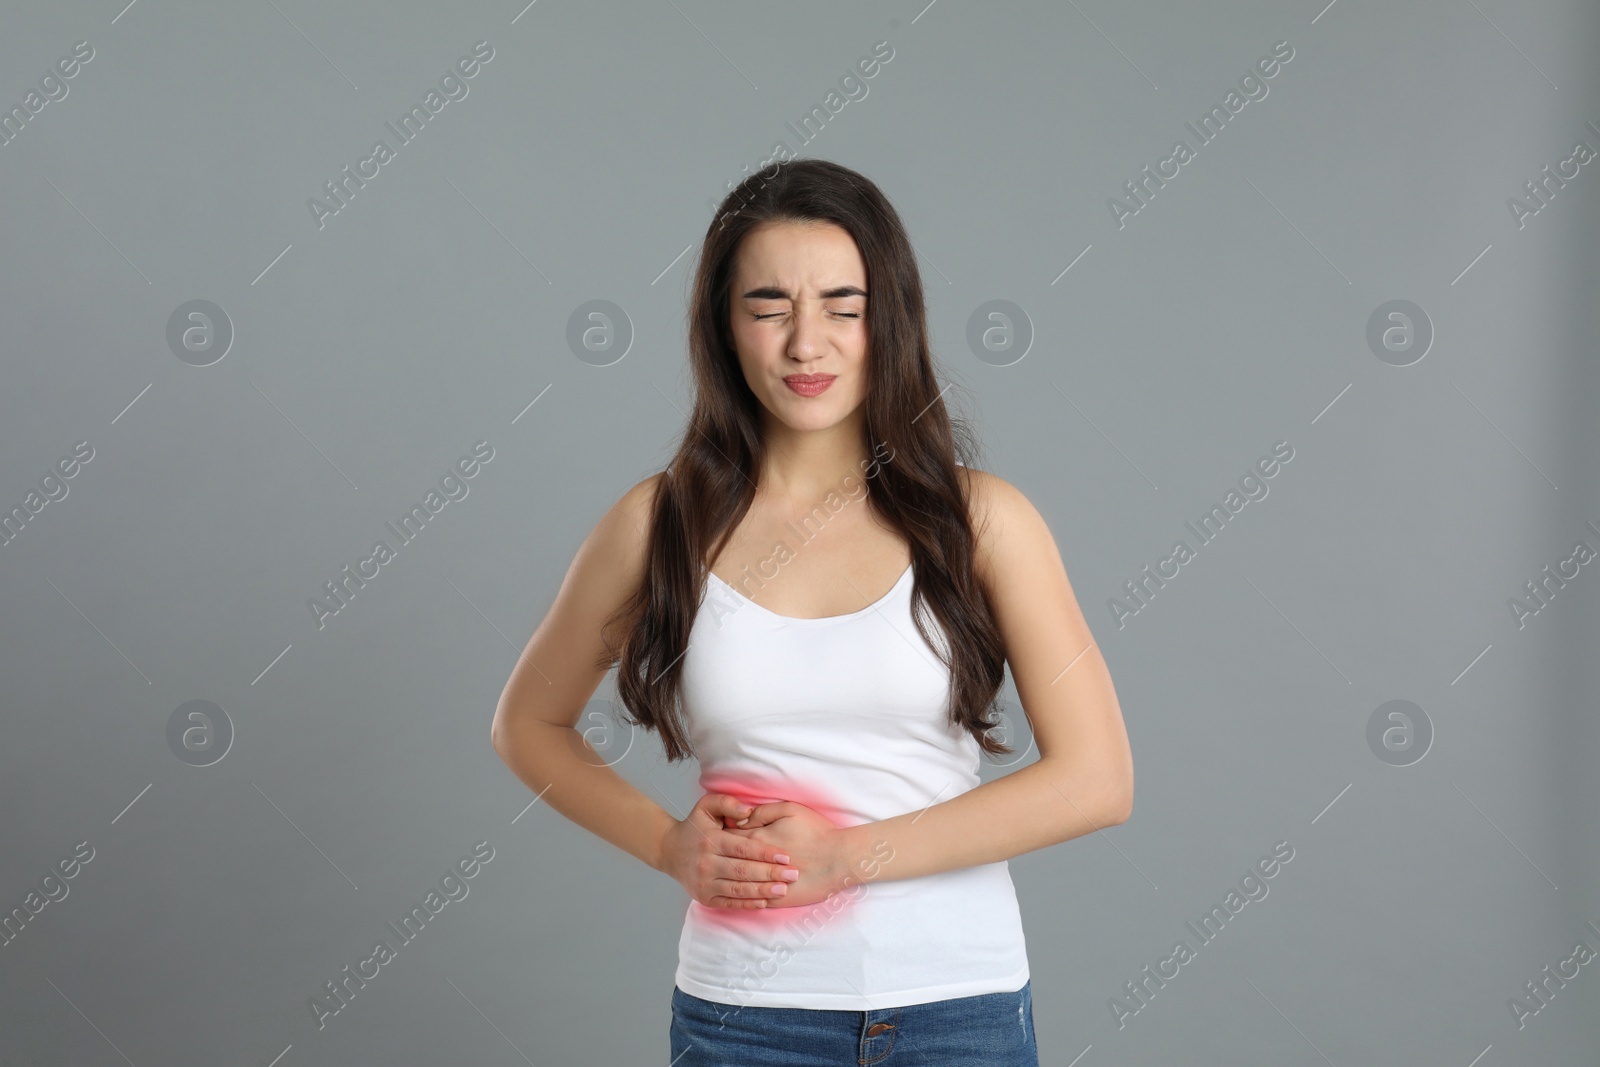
(1083, 779)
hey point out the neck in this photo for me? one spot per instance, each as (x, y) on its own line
(804, 466)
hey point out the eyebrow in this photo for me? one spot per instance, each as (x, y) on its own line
(770, 292)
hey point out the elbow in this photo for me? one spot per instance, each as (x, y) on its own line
(1119, 795)
(500, 735)
(1120, 806)
(517, 737)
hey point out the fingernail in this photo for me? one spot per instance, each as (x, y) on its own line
(779, 889)
(780, 858)
(791, 875)
(744, 820)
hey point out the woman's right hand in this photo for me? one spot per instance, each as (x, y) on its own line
(718, 868)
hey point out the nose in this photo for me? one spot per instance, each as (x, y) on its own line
(801, 345)
(802, 336)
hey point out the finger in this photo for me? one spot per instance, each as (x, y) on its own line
(756, 873)
(743, 890)
(767, 856)
(723, 804)
(750, 821)
(763, 814)
(732, 903)
(762, 867)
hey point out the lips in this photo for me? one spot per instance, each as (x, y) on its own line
(809, 384)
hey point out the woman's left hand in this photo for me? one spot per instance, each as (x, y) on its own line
(815, 846)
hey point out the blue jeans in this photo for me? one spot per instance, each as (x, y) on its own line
(992, 1030)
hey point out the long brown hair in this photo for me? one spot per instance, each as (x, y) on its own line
(710, 483)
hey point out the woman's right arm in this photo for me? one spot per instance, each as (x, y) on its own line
(534, 730)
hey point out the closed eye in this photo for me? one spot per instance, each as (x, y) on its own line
(776, 314)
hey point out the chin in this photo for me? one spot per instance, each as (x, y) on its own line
(814, 419)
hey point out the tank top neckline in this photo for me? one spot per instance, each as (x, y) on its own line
(797, 620)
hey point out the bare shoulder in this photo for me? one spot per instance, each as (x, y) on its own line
(1061, 679)
(614, 554)
(1004, 521)
(566, 658)
(633, 509)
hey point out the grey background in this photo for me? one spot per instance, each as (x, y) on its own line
(429, 313)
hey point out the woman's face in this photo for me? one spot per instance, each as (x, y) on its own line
(798, 307)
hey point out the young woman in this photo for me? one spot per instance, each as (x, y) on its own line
(817, 599)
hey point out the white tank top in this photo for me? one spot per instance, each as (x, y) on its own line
(847, 714)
